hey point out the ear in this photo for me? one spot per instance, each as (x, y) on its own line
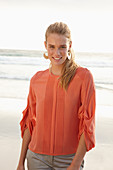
(45, 44)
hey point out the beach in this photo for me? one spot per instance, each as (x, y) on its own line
(14, 87)
(99, 158)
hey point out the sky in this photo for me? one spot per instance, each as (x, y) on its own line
(23, 23)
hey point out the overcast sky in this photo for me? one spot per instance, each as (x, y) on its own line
(23, 23)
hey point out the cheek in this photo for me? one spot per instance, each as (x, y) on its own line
(64, 52)
(50, 52)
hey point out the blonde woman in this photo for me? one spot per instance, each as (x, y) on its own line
(58, 124)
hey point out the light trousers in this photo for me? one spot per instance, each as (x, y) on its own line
(47, 162)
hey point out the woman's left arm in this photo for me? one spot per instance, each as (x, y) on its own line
(80, 153)
(86, 115)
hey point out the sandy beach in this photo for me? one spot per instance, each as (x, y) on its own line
(99, 158)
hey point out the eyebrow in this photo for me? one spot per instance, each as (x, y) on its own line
(60, 45)
(50, 45)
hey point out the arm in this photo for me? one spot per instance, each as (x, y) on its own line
(81, 151)
(25, 143)
(27, 124)
(86, 115)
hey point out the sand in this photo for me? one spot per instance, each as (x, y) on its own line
(99, 158)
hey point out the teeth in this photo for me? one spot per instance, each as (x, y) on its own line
(56, 58)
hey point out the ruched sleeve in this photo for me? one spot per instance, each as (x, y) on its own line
(29, 114)
(86, 112)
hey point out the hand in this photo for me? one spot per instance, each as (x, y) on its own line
(20, 167)
(72, 167)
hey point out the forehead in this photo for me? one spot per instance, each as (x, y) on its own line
(57, 39)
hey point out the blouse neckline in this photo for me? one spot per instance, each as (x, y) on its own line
(53, 75)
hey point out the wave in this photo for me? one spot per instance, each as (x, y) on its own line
(95, 64)
(38, 63)
(14, 78)
(15, 63)
(13, 52)
(22, 61)
(27, 78)
(27, 60)
(12, 97)
(103, 82)
(104, 88)
(98, 85)
(35, 57)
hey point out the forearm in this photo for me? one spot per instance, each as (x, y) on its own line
(80, 153)
(25, 143)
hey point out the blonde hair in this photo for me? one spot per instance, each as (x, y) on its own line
(69, 67)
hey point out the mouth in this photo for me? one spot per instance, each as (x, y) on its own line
(56, 58)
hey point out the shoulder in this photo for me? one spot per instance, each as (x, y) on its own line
(83, 73)
(86, 78)
(39, 74)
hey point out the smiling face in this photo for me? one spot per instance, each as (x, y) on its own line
(57, 47)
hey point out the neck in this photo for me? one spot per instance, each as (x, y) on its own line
(56, 70)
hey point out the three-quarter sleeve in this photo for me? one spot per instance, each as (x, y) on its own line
(86, 112)
(29, 114)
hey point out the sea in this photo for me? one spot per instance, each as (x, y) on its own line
(18, 66)
(16, 69)
(21, 65)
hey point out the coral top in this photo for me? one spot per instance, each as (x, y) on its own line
(56, 118)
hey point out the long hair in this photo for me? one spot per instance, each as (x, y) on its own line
(69, 67)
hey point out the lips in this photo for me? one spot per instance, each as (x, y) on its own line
(57, 58)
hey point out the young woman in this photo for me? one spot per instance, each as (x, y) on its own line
(58, 124)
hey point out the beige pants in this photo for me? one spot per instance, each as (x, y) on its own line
(47, 162)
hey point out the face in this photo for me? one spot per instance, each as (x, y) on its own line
(57, 47)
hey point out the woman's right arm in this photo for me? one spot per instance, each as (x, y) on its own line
(25, 143)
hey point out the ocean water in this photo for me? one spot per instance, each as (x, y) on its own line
(18, 66)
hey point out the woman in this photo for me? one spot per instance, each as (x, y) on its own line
(58, 125)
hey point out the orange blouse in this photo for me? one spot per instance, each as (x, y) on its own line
(56, 118)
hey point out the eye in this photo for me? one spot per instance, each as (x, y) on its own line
(52, 46)
(63, 47)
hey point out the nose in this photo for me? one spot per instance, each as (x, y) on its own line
(57, 51)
